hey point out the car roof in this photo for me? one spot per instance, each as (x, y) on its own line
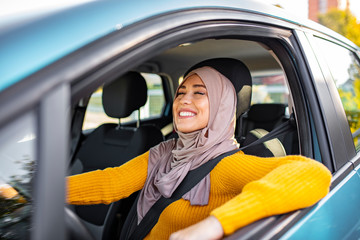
(30, 43)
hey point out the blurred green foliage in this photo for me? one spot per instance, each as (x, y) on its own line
(343, 22)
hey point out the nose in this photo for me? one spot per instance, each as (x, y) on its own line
(186, 98)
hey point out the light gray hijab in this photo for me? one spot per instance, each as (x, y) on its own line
(170, 161)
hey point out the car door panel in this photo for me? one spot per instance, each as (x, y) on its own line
(335, 216)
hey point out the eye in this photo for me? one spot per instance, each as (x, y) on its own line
(180, 93)
(201, 93)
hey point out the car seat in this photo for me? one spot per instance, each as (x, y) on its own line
(112, 145)
(267, 116)
(238, 73)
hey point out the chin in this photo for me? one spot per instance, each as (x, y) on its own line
(188, 129)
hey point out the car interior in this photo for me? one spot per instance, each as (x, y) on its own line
(127, 116)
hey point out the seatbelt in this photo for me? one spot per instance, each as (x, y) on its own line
(133, 232)
(283, 128)
(76, 132)
(152, 216)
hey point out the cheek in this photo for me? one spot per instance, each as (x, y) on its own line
(205, 109)
(175, 103)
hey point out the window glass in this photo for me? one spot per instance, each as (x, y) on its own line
(269, 88)
(96, 116)
(345, 70)
(17, 167)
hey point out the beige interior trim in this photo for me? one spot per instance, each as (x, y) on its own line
(274, 145)
(167, 129)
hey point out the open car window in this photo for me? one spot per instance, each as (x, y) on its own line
(269, 87)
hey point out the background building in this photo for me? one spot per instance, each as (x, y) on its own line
(322, 6)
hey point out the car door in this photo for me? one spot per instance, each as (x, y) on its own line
(334, 67)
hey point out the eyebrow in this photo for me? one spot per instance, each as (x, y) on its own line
(195, 85)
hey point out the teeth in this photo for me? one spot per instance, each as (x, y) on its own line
(186, 114)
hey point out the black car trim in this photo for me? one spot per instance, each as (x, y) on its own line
(312, 69)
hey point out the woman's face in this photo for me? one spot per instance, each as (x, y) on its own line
(191, 105)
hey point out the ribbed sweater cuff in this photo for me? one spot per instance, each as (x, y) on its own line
(239, 212)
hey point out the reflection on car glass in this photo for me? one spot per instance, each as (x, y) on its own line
(17, 168)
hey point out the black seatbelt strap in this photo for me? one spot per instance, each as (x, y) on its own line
(133, 232)
(152, 216)
(76, 132)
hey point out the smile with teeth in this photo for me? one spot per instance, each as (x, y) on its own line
(186, 114)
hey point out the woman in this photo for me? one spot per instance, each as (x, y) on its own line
(239, 190)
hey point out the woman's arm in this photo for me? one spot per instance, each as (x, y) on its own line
(285, 184)
(296, 182)
(108, 185)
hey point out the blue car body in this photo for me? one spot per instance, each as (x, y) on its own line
(28, 45)
(48, 38)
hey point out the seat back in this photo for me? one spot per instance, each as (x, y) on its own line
(112, 145)
(265, 116)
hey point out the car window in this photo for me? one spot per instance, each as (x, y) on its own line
(345, 69)
(96, 116)
(269, 88)
(17, 167)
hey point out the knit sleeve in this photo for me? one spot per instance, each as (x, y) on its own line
(291, 183)
(108, 185)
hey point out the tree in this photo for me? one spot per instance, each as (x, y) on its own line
(343, 22)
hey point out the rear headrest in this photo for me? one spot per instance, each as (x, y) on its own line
(238, 73)
(266, 112)
(124, 95)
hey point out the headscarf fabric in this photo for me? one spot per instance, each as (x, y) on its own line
(170, 161)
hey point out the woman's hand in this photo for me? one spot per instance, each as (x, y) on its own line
(209, 228)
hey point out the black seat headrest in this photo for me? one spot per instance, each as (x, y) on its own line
(124, 95)
(266, 112)
(238, 73)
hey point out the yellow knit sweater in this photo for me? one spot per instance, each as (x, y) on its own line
(243, 189)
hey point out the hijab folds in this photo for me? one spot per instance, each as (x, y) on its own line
(170, 161)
